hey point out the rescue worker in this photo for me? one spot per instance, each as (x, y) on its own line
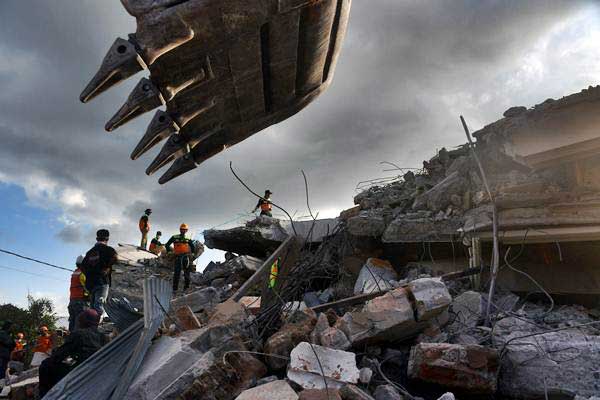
(7, 344)
(183, 248)
(43, 347)
(97, 267)
(79, 298)
(144, 225)
(156, 246)
(18, 353)
(264, 204)
(79, 346)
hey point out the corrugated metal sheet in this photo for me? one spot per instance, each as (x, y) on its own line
(109, 372)
(157, 297)
(121, 312)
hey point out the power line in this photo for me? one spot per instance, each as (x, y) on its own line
(31, 273)
(34, 260)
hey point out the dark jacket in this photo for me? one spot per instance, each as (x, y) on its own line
(7, 344)
(97, 265)
(79, 345)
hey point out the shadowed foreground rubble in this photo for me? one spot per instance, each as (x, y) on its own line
(390, 300)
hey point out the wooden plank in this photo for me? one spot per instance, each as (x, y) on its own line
(263, 270)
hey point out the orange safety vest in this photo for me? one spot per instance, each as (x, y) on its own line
(19, 345)
(77, 290)
(144, 224)
(265, 206)
(152, 248)
(43, 345)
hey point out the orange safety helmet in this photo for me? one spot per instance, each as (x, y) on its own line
(183, 226)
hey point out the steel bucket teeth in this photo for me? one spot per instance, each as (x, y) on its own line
(121, 62)
(161, 127)
(144, 97)
(179, 167)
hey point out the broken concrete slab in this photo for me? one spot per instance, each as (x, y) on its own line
(262, 235)
(466, 311)
(570, 360)
(334, 338)
(306, 361)
(351, 392)
(186, 318)
(408, 229)
(387, 392)
(431, 297)
(440, 196)
(375, 276)
(165, 363)
(389, 317)
(200, 300)
(320, 394)
(370, 223)
(280, 390)
(471, 368)
(251, 304)
(298, 329)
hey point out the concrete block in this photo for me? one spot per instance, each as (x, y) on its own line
(431, 297)
(280, 390)
(338, 367)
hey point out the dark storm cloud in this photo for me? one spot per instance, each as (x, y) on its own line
(71, 234)
(408, 68)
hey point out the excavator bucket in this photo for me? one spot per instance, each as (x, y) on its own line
(223, 69)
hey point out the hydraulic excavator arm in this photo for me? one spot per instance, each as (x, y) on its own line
(223, 69)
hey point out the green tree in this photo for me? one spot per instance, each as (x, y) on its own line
(40, 311)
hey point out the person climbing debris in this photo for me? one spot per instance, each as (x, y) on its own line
(78, 347)
(97, 267)
(43, 346)
(265, 204)
(156, 246)
(79, 298)
(144, 225)
(183, 247)
(7, 344)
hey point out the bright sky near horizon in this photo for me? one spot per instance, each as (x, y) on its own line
(407, 70)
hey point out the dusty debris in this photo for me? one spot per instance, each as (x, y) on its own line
(273, 390)
(320, 394)
(351, 392)
(469, 367)
(296, 330)
(375, 276)
(387, 392)
(313, 365)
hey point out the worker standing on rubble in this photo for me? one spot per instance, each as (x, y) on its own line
(79, 346)
(156, 246)
(79, 298)
(7, 344)
(97, 267)
(144, 225)
(264, 203)
(43, 346)
(183, 247)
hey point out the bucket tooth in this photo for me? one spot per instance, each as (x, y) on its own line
(144, 97)
(174, 148)
(161, 127)
(179, 167)
(121, 62)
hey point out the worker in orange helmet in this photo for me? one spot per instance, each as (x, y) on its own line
(43, 346)
(183, 247)
(144, 225)
(264, 203)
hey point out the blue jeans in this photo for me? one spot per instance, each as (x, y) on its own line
(98, 297)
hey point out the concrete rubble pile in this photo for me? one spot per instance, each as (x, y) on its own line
(389, 301)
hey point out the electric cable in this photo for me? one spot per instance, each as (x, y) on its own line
(30, 273)
(34, 260)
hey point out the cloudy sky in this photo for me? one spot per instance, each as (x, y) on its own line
(407, 71)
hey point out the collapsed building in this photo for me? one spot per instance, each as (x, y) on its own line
(391, 299)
